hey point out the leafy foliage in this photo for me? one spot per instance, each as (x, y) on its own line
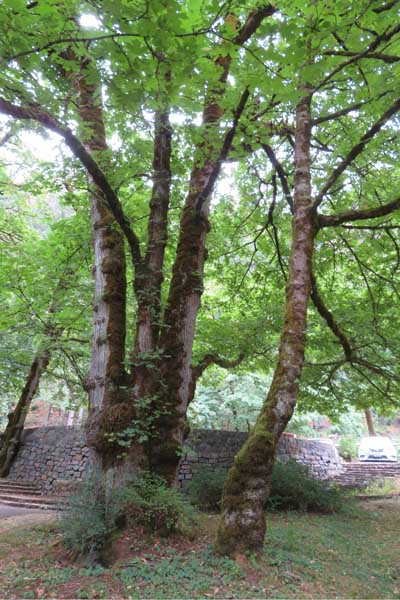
(293, 488)
(230, 403)
(205, 488)
(147, 500)
(93, 516)
(357, 266)
(88, 521)
(348, 448)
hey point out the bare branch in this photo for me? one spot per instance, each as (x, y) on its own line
(387, 58)
(280, 172)
(338, 113)
(384, 37)
(349, 352)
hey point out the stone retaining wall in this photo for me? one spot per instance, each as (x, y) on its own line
(50, 454)
(217, 449)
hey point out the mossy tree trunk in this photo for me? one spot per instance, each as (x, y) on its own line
(242, 525)
(11, 437)
(137, 417)
(177, 374)
(16, 420)
(106, 381)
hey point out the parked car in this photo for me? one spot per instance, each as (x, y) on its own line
(377, 448)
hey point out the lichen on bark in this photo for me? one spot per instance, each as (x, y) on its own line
(242, 525)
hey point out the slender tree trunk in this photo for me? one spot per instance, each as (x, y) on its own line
(149, 275)
(177, 336)
(16, 420)
(370, 421)
(242, 525)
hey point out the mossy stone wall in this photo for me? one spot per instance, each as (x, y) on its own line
(50, 454)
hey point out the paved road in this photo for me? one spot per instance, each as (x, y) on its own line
(14, 511)
(12, 517)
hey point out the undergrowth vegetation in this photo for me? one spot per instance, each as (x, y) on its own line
(93, 517)
(292, 488)
(306, 555)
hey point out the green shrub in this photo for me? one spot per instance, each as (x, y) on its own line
(348, 448)
(89, 521)
(147, 500)
(205, 489)
(86, 523)
(293, 488)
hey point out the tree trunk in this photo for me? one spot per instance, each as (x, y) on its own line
(106, 383)
(16, 420)
(242, 525)
(370, 421)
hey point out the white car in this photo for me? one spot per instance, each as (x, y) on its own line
(377, 448)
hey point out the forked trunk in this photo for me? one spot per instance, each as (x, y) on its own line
(242, 525)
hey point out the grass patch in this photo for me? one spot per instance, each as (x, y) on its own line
(353, 555)
(382, 487)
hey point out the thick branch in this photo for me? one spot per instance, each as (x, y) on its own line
(387, 58)
(253, 22)
(225, 148)
(358, 215)
(35, 113)
(214, 359)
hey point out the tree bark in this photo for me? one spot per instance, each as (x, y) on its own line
(242, 525)
(370, 421)
(106, 381)
(16, 420)
(186, 288)
(149, 275)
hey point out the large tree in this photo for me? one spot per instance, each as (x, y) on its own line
(152, 100)
(137, 401)
(322, 77)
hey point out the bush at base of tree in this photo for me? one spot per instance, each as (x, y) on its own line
(292, 488)
(205, 489)
(147, 500)
(89, 522)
